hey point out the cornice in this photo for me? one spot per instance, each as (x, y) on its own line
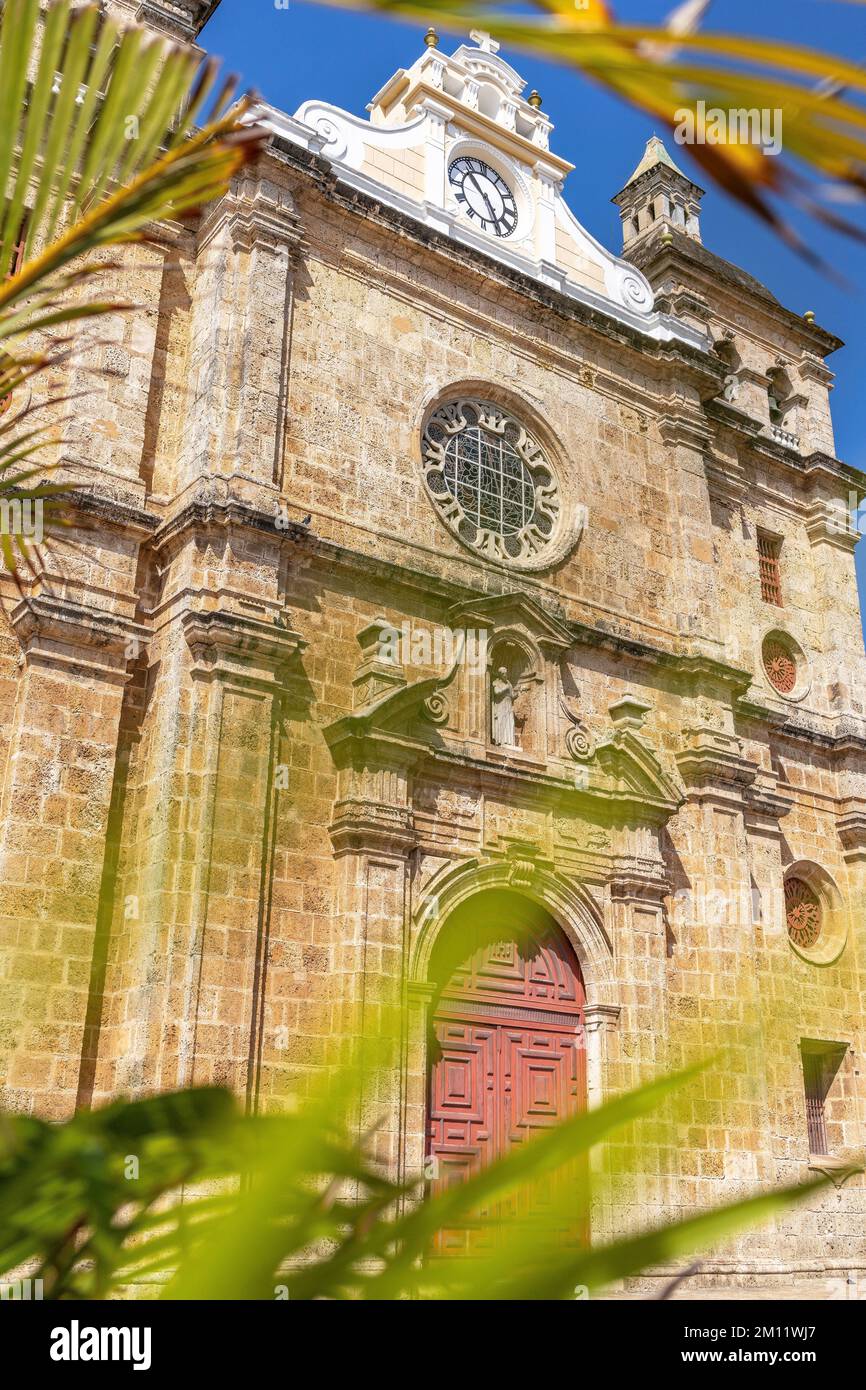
(656, 257)
(255, 213)
(61, 633)
(586, 312)
(183, 19)
(851, 829)
(234, 648)
(112, 511)
(694, 672)
(212, 511)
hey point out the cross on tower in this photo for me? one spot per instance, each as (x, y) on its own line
(483, 39)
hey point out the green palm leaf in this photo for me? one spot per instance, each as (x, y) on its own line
(641, 65)
(98, 141)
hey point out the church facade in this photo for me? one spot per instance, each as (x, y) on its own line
(438, 581)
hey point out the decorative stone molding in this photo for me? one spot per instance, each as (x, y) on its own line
(524, 860)
(58, 632)
(713, 758)
(640, 881)
(814, 368)
(829, 522)
(375, 675)
(768, 801)
(568, 901)
(372, 827)
(630, 712)
(578, 743)
(838, 1170)
(183, 19)
(601, 1017)
(686, 428)
(389, 723)
(851, 829)
(230, 647)
(514, 610)
(256, 212)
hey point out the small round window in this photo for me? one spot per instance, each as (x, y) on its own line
(815, 915)
(803, 914)
(490, 480)
(780, 664)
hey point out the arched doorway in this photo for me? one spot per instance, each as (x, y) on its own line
(507, 1054)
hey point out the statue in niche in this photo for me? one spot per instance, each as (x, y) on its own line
(502, 709)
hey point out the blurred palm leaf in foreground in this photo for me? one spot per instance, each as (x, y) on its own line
(290, 1206)
(819, 95)
(98, 140)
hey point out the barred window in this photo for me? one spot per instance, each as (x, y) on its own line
(769, 550)
(823, 1087)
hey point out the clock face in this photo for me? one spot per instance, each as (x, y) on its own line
(483, 195)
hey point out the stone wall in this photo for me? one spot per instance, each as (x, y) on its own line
(225, 828)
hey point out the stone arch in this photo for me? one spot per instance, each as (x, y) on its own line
(569, 904)
(524, 664)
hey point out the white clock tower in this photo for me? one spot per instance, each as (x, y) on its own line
(453, 142)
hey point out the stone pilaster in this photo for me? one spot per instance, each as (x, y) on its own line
(185, 987)
(373, 838)
(53, 825)
(240, 339)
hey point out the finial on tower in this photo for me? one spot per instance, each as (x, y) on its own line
(431, 38)
(535, 99)
(484, 40)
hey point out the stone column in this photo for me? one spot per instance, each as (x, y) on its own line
(186, 980)
(240, 338)
(373, 839)
(54, 818)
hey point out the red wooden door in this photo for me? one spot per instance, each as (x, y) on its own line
(508, 1060)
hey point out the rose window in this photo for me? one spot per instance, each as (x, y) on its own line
(780, 665)
(803, 913)
(490, 480)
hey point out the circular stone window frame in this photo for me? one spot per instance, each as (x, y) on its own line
(804, 674)
(571, 513)
(833, 936)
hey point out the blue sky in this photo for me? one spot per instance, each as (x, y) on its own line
(309, 50)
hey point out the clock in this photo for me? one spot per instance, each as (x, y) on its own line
(483, 195)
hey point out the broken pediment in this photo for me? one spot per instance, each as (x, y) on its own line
(513, 611)
(400, 714)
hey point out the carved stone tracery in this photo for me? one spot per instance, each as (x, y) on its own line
(490, 480)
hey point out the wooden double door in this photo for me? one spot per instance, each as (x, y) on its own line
(508, 1060)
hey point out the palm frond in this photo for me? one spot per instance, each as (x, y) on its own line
(643, 66)
(98, 141)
